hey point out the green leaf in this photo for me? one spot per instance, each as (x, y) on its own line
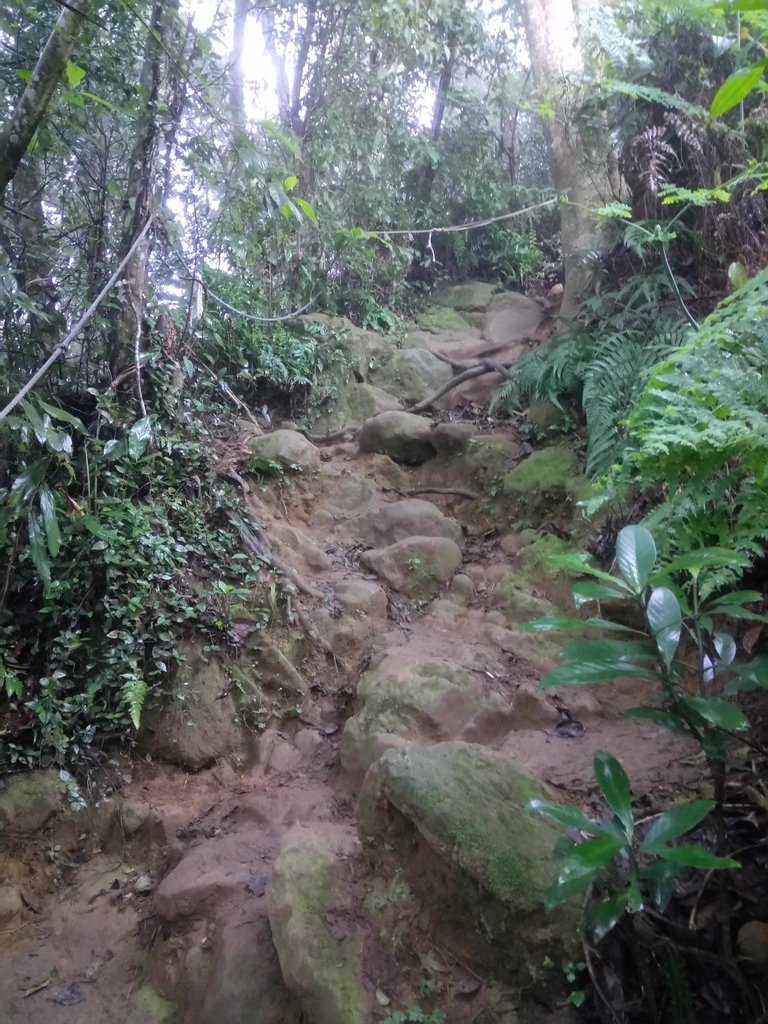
(666, 719)
(705, 558)
(725, 646)
(98, 99)
(579, 563)
(574, 878)
(61, 414)
(676, 822)
(290, 183)
(597, 852)
(614, 785)
(735, 89)
(50, 522)
(578, 674)
(753, 676)
(556, 623)
(659, 877)
(572, 817)
(307, 209)
(24, 74)
(37, 548)
(609, 651)
(584, 591)
(73, 75)
(665, 619)
(138, 436)
(694, 857)
(603, 915)
(636, 556)
(718, 712)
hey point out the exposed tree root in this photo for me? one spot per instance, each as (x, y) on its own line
(461, 492)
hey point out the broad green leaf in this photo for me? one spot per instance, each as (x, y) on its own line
(574, 878)
(584, 591)
(580, 673)
(705, 558)
(138, 436)
(725, 646)
(735, 89)
(596, 651)
(753, 676)
(572, 817)
(694, 857)
(98, 99)
(659, 877)
(61, 414)
(307, 209)
(666, 719)
(665, 619)
(50, 521)
(597, 852)
(718, 712)
(37, 548)
(636, 556)
(744, 5)
(713, 744)
(676, 822)
(27, 483)
(635, 897)
(290, 183)
(580, 564)
(614, 785)
(735, 597)
(73, 75)
(35, 420)
(603, 915)
(556, 623)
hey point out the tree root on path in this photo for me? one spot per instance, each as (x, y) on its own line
(475, 370)
(461, 492)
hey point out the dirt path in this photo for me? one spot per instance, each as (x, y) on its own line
(162, 888)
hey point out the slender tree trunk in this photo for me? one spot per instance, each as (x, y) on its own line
(267, 19)
(34, 275)
(17, 134)
(580, 157)
(237, 78)
(140, 197)
(426, 176)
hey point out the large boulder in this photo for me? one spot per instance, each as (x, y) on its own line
(355, 402)
(398, 699)
(453, 817)
(28, 802)
(317, 968)
(363, 609)
(471, 297)
(400, 435)
(544, 488)
(415, 567)
(411, 517)
(288, 448)
(413, 374)
(441, 319)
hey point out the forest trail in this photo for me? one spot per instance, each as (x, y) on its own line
(155, 909)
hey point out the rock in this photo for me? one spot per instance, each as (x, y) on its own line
(198, 726)
(362, 348)
(472, 297)
(286, 447)
(384, 472)
(416, 566)
(544, 489)
(462, 588)
(346, 495)
(453, 815)
(534, 586)
(400, 520)
(753, 941)
(249, 427)
(134, 819)
(400, 435)
(277, 672)
(452, 439)
(413, 374)
(356, 401)
(510, 317)
(440, 319)
(546, 417)
(29, 801)
(399, 698)
(364, 612)
(11, 904)
(316, 967)
(200, 883)
(297, 549)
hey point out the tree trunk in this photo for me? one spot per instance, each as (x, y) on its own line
(34, 275)
(17, 134)
(580, 156)
(140, 198)
(237, 85)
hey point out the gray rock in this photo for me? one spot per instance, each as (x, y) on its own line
(400, 435)
(286, 447)
(400, 520)
(413, 374)
(29, 801)
(416, 566)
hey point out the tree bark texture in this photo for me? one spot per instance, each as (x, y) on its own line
(17, 134)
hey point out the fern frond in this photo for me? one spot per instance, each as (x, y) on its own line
(134, 693)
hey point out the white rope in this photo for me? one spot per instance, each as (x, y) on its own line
(62, 347)
(464, 227)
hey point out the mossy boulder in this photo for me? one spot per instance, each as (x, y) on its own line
(362, 349)
(317, 968)
(440, 319)
(453, 816)
(355, 402)
(534, 586)
(402, 699)
(413, 374)
(28, 802)
(415, 567)
(288, 448)
(471, 297)
(400, 520)
(543, 490)
(402, 436)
